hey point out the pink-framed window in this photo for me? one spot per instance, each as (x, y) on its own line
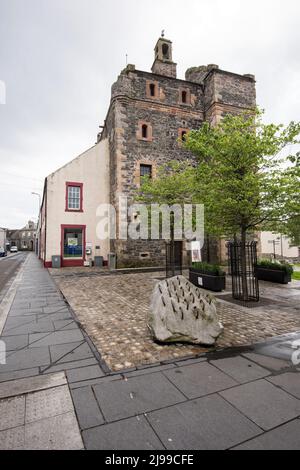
(74, 197)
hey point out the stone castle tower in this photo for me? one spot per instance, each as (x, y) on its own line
(149, 115)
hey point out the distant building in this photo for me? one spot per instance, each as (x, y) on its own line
(24, 238)
(147, 121)
(3, 237)
(278, 245)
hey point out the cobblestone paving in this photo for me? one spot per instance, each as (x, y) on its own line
(113, 310)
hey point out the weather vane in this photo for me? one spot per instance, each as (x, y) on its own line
(163, 33)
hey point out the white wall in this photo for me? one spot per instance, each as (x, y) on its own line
(92, 169)
(268, 248)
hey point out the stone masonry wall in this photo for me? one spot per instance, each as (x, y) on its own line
(167, 116)
(132, 105)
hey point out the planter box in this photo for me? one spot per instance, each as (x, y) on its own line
(207, 280)
(272, 275)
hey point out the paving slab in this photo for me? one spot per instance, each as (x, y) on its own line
(61, 315)
(200, 379)
(286, 437)
(93, 382)
(71, 352)
(149, 370)
(188, 362)
(268, 362)
(60, 308)
(65, 325)
(240, 369)
(56, 433)
(13, 439)
(48, 403)
(26, 359)
(59, 337)
(84, 373)
(40, 326)
(32, 384)
(129, 434)
(290, 382)
(64, 366)
(263, 403)
(38, 303)
(125, 398)
(12, 412)
(17, 312)
(19, 374)
(20, 320)
(13, 343)
(208, 423)
(87, 409)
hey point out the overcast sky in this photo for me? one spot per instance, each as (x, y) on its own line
(59, 58)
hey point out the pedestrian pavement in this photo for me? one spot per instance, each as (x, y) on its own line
(57, 393)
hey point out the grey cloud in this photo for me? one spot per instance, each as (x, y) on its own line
(59, 58)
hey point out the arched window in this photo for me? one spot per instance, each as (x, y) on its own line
(144, 131)
(183, 135)
(165, 51)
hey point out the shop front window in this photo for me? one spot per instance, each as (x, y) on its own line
(73, 243)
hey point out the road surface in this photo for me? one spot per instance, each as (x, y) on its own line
(8, 268)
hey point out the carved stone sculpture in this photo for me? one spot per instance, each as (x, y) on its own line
(181, 312)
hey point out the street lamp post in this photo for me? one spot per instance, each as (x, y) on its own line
(39, 196)
(274, 242)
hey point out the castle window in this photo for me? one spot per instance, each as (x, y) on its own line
(144, 131)
(152, 89)
(182, 135)
(146, 170)
(165, 51)
(184, 96)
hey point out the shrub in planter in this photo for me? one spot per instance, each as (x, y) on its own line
(208, 276)
(274, 271)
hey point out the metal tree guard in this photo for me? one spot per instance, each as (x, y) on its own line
(173, 258)
(245, 287)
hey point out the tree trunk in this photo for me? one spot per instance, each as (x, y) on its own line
(245, 293)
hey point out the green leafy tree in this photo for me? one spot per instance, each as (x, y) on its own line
(290, 225)
(174, 184)
(244, 178)
(292, 230)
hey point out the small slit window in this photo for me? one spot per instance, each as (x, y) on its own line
(152, 89)
(183, 135)
(184, 97)
(144, 131)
